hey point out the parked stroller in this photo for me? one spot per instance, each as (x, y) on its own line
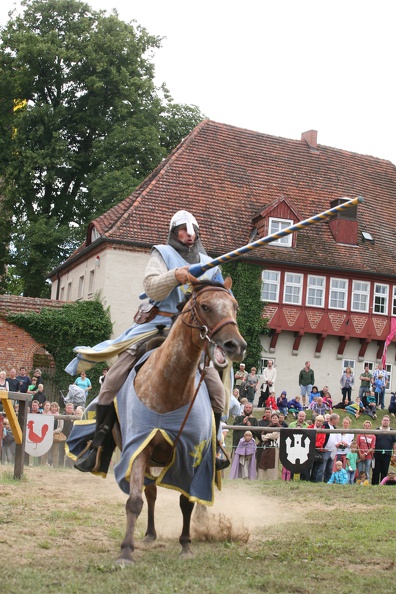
(75, 395)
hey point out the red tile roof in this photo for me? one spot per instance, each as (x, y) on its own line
(226, 176)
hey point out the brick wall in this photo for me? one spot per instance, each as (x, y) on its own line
(17, 347)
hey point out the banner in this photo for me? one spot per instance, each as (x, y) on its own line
(39, 434)
(388, 341)
(297, 449)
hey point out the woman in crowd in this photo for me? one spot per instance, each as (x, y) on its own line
(347, 381)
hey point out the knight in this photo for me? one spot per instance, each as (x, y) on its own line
(165, 283)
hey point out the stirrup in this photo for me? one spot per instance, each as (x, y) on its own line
(222, 463)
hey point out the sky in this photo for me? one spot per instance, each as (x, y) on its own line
(280, 67)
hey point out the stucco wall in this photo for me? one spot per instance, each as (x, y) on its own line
(327, 368)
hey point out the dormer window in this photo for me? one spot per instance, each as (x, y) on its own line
(276, 225)
(94, 234)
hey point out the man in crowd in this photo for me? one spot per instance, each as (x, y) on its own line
(306, 380)
(385, 450)
(247, 420)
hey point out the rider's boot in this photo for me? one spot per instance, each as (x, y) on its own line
(221, 463)
(97, 455)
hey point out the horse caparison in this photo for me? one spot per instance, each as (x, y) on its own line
(166, 382)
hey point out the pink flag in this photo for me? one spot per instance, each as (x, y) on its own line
(389, 340)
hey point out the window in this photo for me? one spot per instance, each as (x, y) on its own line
(69, 292)
(388, 368)
(80, 287)
(264, 364)
(276, 225)
(380, 299)
(293, 288)
(316, 290)
(338, 293)
(348, 363)
(62, 294)
(370, 365)
(270, 286)
(394, 301)
(91, 282)
(360, 296)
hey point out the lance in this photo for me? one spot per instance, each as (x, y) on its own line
(198, 269)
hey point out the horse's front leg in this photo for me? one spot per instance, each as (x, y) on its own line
(133, 507)
(150, 492)
(186, 507)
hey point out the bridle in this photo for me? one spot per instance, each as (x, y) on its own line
(198, 321)
(206, 333)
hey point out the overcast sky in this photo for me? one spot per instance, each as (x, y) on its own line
(278, 66)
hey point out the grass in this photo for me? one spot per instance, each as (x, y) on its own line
(60, 533)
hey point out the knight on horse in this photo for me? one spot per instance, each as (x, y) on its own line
(165, 283)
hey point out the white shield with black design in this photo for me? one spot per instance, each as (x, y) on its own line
(297, 449)
(39, 434)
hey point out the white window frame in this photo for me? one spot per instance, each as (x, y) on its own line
(69, 291)
(272, 282)
(340, 291)
(316, 289)
(370, 365)
(359, 293)
(385, 296)
(293, 285)
(388, 369)
(393, 310)
(81, 287)
(91, 281)
(349, 363)
(275, 225)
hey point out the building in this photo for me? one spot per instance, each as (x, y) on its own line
(330, 289)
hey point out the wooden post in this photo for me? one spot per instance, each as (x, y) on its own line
(18, 428)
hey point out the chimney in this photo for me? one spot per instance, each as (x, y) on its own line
(311, 138)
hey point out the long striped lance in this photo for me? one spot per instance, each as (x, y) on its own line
(198, 269)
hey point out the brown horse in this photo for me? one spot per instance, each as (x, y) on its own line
(166, 382)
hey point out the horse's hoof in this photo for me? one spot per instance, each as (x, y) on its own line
(149, 538)
(186, 554)
(124, 562)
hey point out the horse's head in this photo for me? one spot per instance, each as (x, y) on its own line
(213, 311)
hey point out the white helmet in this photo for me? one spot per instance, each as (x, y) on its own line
(183, 217)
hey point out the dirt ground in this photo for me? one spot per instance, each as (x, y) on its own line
(33, 510)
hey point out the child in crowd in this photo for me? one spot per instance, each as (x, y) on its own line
(362, 480)
(295, 406)
(271, 402)
(371, 405)
(314, 394)
(379, 386)
(352, 458)
(244, 462)
(390, 479)
(282, 403)
(355, 408)
(339, 476)
(327, 400)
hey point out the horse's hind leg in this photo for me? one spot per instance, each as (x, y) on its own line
(186, 507)
(150, 492)
(133, 508)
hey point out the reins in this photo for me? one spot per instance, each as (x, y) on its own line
(206, 334)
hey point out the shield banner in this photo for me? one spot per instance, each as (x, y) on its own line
(297, 449)
(39, 434)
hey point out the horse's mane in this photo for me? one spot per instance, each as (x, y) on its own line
(196, 287)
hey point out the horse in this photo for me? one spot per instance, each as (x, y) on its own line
(166, 382)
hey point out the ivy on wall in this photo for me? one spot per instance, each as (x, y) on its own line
(246, 287)
(84, 323)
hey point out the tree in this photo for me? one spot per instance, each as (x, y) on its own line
(81, 125)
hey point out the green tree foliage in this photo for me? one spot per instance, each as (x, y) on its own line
(246, 287)
(81, 125)
(59, 330)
